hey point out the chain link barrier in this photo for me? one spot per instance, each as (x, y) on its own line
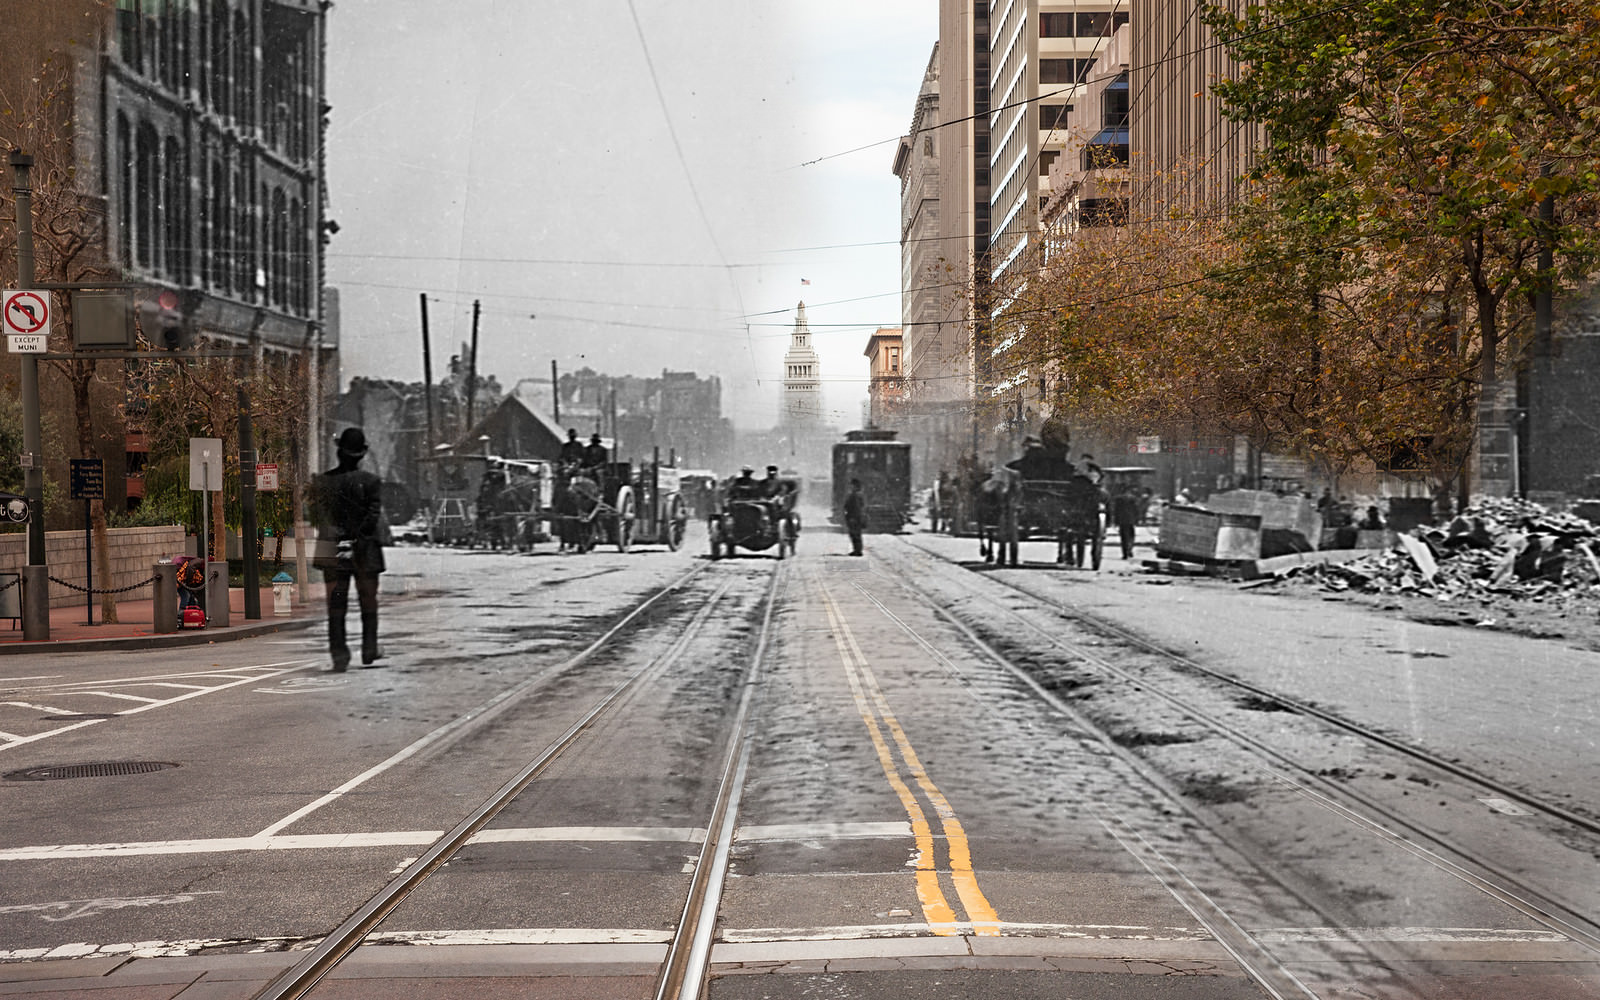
(14, 583)
(96, 590)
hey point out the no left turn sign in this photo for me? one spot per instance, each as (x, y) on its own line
(26, 311)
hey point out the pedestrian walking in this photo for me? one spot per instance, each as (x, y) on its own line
(349, 507)
(855, 515)
(1125, 514)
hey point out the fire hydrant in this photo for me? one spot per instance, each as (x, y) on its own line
(282, 594)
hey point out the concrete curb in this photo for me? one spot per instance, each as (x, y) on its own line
(191, 637)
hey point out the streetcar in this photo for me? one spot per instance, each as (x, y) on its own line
(883, 465)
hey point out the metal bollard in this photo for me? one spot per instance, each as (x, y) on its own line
(164, 601)
(216, 595)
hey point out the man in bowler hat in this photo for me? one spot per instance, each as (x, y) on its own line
(349, 506)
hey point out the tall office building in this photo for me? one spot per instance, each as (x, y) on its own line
(1043, 50)
(1186, 158)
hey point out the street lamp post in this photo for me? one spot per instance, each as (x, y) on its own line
(36, 574)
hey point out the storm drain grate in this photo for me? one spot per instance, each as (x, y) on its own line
(100, 769)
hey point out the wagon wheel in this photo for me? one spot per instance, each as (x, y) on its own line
(677, 523)
(783, 538)
(714, 529)
(622, 526)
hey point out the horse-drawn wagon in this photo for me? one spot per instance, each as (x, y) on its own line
(756, 523)
(1011, 507)
(621, 504)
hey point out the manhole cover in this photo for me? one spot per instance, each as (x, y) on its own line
(100, 769)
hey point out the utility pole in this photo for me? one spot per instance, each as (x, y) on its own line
(247, 503)
(36, 574)
(427, 372)
(472, 363)
(555, 391)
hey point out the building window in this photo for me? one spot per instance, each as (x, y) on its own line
(146, 192)
(125, 190)
(1053, 116)
(1046, 159)
(1056, 26)
(1114, 104)
(1064, 70)
(1103, 212)
(1100, 24)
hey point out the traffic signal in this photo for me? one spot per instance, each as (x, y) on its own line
(173, 332)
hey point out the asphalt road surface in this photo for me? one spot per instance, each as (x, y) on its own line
(901, 776)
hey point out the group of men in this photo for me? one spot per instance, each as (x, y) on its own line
(588, 460)
(746, 487)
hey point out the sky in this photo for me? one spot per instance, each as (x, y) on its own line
(627, 186)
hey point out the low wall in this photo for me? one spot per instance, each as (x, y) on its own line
(133, 552)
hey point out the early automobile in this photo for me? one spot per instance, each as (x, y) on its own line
(756, 523)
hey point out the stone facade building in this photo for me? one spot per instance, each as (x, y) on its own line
(197, 128)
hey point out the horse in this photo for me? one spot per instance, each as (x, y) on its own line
(996, 515)
(576, 501)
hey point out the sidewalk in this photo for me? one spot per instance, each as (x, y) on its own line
(135, 628)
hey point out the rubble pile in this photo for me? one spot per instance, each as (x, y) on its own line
(1497, 548)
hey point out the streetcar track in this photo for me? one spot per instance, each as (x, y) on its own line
(1252, 956)
(687, 956)
(1514, 892)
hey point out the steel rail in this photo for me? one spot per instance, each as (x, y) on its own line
(689, 954)
(1354, 728)
(1252, 957)
(300, 978)
(1513, 891)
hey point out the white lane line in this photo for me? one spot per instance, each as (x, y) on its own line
(917, 928)
(228, 672)
(76, 909)
(122, 697)
(36, 737)
(170, 684)
(219, 687)
(197, 692)
(40, 708)
(8, 737)
(1404, 935)
(823, 831)
(592, 834)
(336, 841)
(525, 935)
(218, 845)
(31, 677)
(403, 838)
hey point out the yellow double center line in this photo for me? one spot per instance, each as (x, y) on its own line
(874, 709)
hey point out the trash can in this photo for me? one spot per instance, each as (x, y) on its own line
(282, 594)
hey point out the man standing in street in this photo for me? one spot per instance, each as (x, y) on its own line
(1125, 514)
(855, 515)
(349, 505)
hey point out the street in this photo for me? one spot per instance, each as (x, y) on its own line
(937, 779)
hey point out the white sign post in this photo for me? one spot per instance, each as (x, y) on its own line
(25, 318)
(205, 475)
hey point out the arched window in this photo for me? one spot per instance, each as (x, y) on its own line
(174, 236)
(124, 194)
(278, 259)
(146, 194)
(221, 240)
(244, 70)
